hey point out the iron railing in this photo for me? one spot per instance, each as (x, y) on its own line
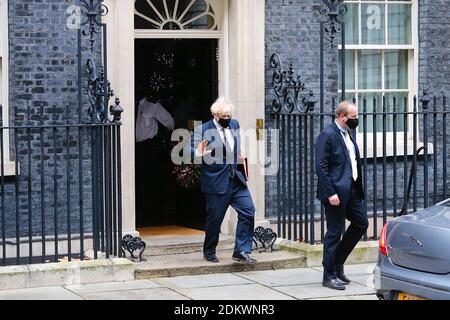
(409, 150)
(62, 197)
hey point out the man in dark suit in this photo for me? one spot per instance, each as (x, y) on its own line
(217, 144)
(338, 168)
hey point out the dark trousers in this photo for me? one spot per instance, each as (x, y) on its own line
(335, 249)
(238, 196)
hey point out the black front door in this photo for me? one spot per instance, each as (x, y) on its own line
(184, 75)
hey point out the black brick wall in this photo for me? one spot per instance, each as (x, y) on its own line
(292, 30)
(43, 90)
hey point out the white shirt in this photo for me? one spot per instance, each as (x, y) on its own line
(228, 132)
(147, 119)
(351, 147)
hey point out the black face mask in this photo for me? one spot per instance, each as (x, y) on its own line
(352, 123)
(225, 123)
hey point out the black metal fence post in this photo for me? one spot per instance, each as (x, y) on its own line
(444, 144)
(374, 168)
(394, 143)
(425, 101)
(364, 116)
(414, 164)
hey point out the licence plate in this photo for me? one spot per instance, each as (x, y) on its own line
(405, 296)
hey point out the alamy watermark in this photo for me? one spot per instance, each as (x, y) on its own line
(263, 153)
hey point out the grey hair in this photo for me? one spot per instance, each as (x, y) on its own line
(342, 108)
(222, 105)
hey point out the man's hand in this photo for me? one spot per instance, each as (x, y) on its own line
(334, 200)
(202, 147)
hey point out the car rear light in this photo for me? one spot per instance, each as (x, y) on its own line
(383, 243)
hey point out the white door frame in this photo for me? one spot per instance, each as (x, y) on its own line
(241, 77)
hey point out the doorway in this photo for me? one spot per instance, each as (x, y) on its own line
(184, 76)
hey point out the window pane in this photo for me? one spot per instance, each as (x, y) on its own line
(349, 70)
(350, 96)
(399, 23)
(369, 69)
(172, 15)
(351, 24)
(399, 96)
(370, 97)
(372, 23)
(396, 69)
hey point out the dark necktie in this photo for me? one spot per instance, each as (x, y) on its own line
(228, 153)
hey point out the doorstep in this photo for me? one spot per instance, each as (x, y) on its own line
(194, 264)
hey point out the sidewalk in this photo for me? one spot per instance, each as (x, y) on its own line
(286, 284)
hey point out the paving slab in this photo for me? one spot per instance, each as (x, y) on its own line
(43, 293)
(309, 291)
(364, 279)
(141, 294)
(355, 269)
(283, 277)
(236, 292)
(199, 281)
(332, 298)
(113, 286)
(364, 297)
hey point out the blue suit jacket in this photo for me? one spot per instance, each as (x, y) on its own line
(215, 174)
(333, 166)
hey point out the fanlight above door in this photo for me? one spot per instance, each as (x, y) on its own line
(174, 15)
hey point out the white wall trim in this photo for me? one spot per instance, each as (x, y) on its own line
(8, 165)
(178, 34)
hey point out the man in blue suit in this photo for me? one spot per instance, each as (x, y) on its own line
(338, 168)
(217, 144)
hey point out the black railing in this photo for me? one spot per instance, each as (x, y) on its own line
(49, 209)
(60, 179)
(404, 164)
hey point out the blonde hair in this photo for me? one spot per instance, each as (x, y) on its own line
(222, 105)
(342, 108)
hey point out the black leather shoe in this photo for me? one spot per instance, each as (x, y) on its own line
(243, 257)
(340, 274)
(334, 284)
(211, 258)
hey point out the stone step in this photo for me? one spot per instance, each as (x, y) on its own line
(194, 264)
(181, 245)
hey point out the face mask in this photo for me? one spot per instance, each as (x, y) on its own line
(225, 123)
(352, 123)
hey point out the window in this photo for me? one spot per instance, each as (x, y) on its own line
(381, 56)
(8, 165)
(174, 15)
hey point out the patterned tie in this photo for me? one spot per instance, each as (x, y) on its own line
(352, 159)
(228, 153)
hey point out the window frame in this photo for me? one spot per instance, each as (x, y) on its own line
(413, 83)
(219, 7)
